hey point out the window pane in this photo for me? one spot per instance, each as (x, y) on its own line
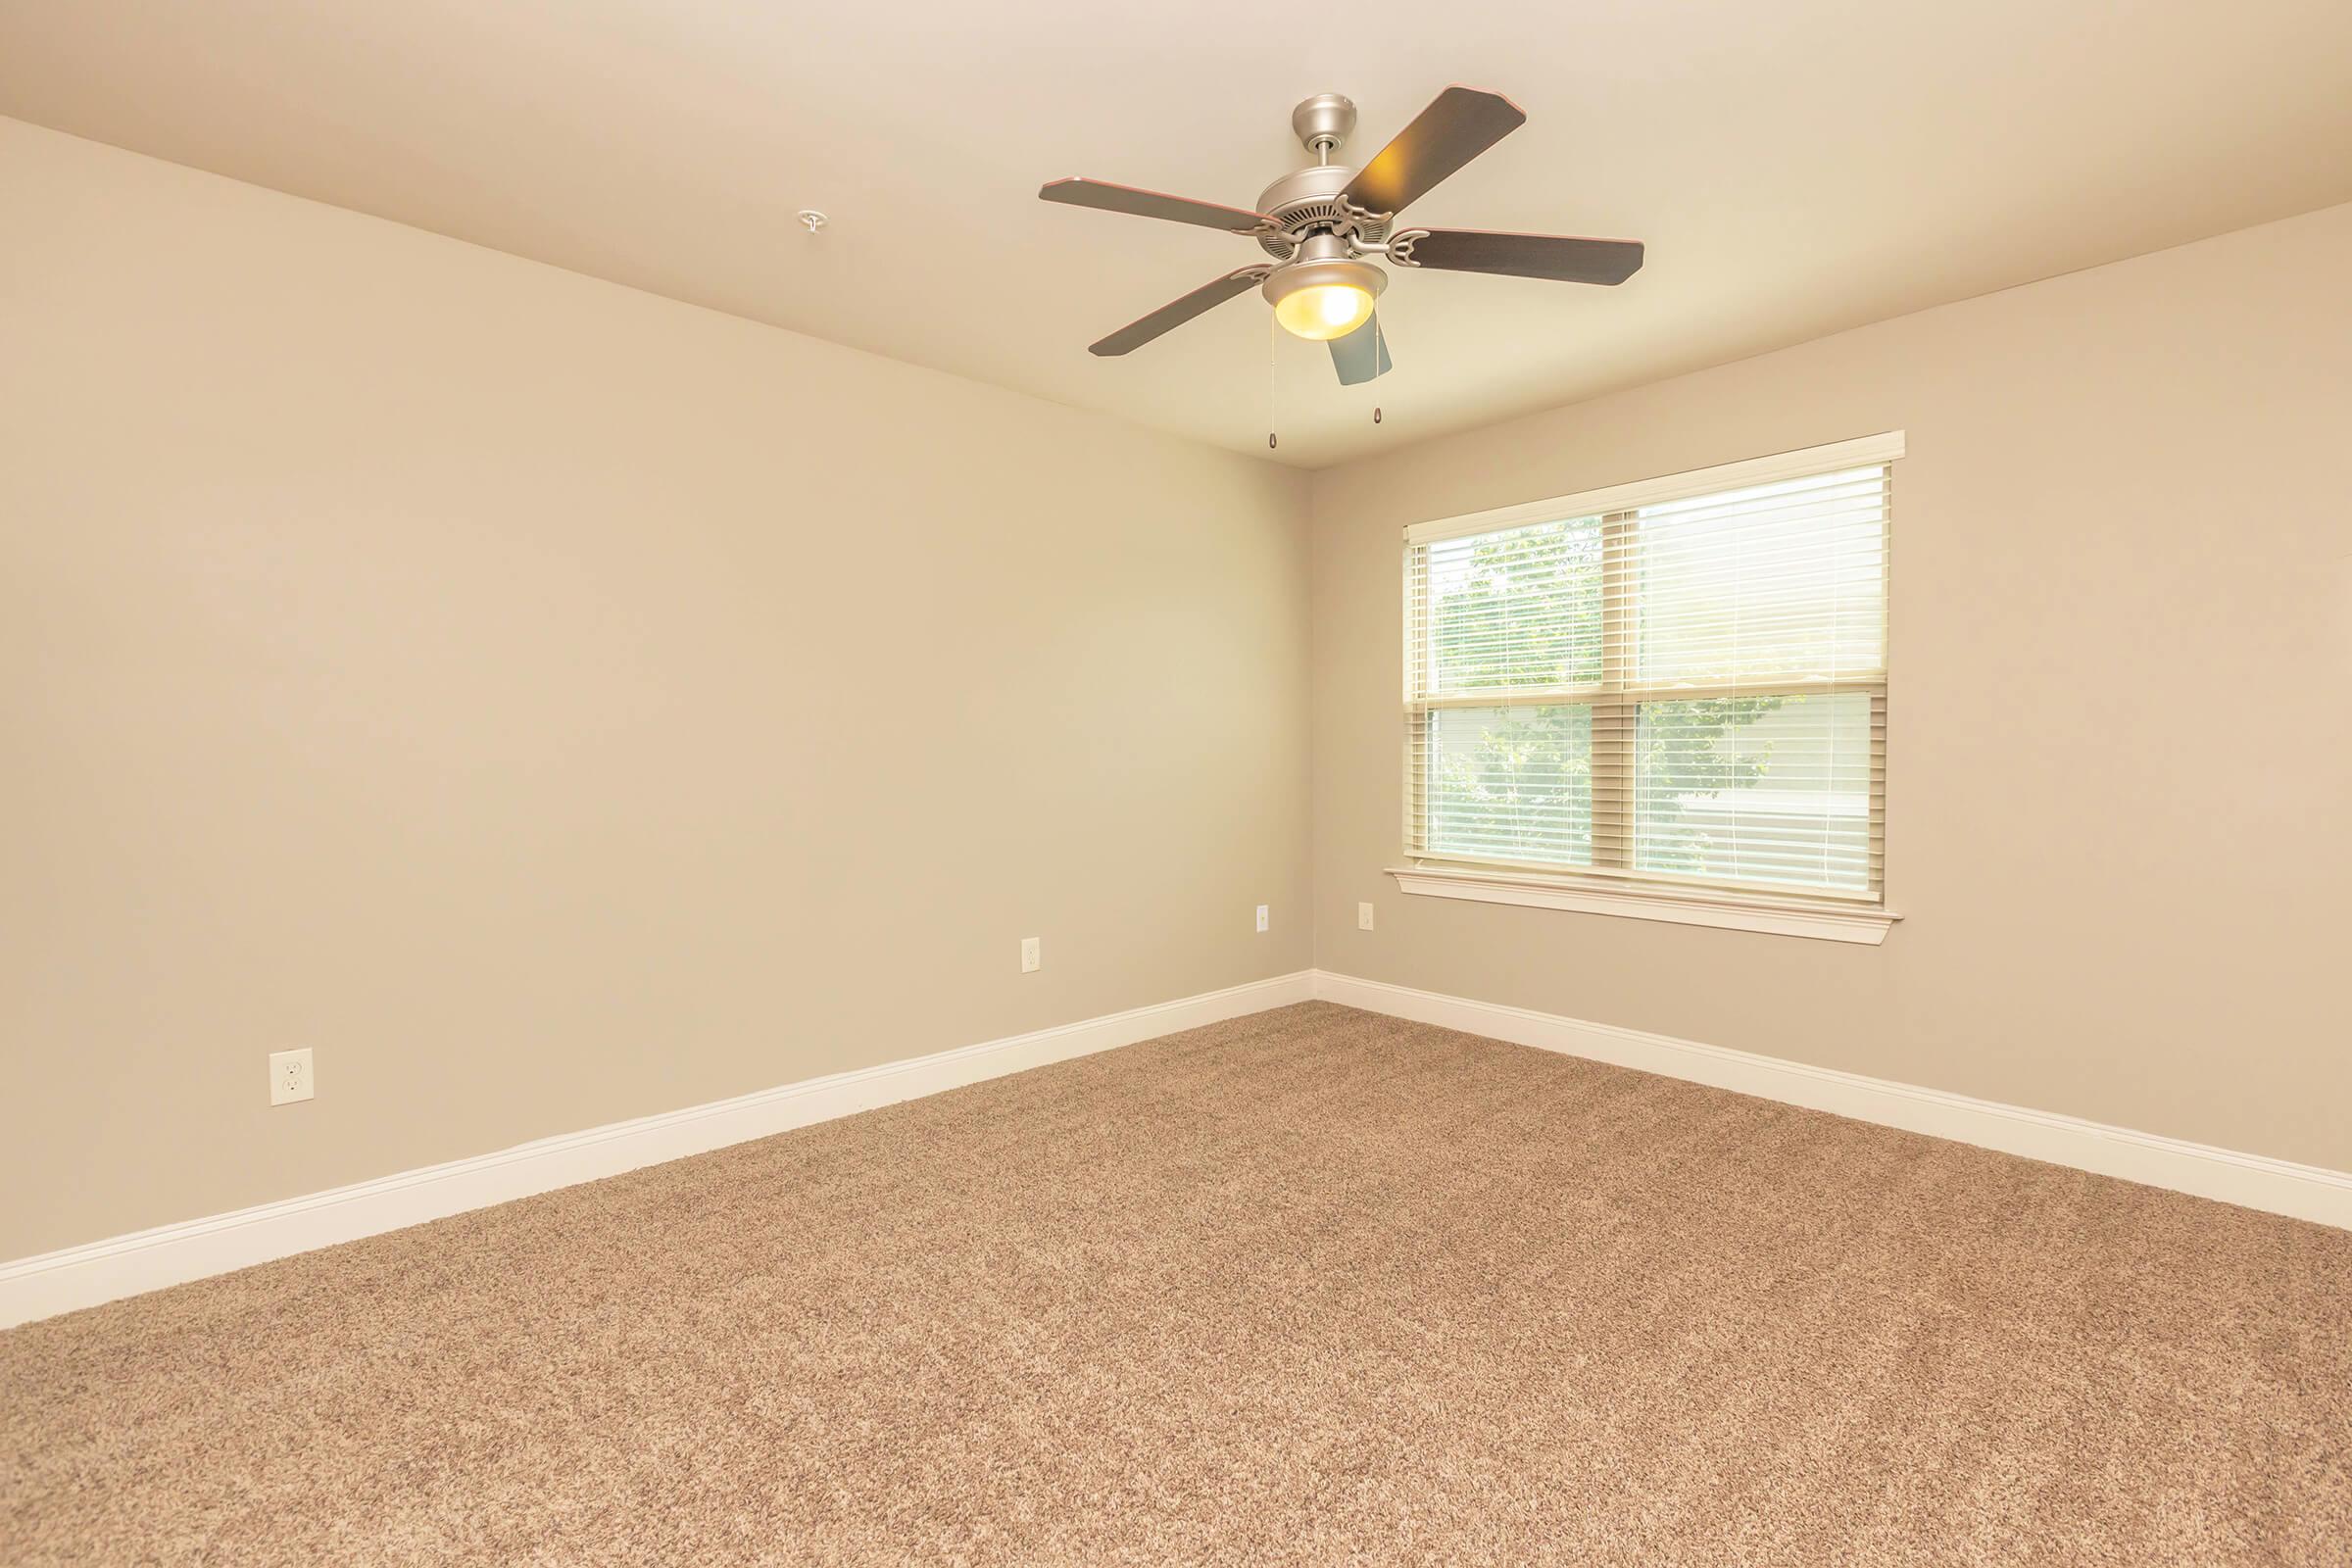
(1784, 579)
(1756, 788)
(1511, 783)
(1515, 609)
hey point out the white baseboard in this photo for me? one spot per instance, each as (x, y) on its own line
(125, 1265)
(2251, 1181)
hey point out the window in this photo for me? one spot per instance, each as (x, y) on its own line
(1672, 692)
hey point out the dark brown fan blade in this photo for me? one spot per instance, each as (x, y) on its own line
(1563, 258)
(1361, 354)
(1134, 335)
(1151, 204)
(1459, 125)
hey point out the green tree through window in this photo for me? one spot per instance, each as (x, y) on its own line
(1689, 687)
(1515, 783)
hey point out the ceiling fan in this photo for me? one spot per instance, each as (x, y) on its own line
(1320, 223)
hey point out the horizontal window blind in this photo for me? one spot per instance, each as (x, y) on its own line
(1691, 689)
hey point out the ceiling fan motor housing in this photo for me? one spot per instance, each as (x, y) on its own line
(1307, 200)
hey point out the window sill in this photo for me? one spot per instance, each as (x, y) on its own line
(1732, 911)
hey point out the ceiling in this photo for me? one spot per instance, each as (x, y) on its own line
(1795, 168)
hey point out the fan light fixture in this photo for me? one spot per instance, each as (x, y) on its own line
(1319, 225)
(1323, 311)
(1323, 295)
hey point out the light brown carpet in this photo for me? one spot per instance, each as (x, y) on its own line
(1316, 1286)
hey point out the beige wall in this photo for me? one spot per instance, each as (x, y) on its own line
(555, 703)
(2121, 732)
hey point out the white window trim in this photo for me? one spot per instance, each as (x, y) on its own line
(1829, 919)
(1862, 451)
(1726, 908)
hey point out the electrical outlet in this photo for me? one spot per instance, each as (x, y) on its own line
(290, 1076)
(1263, 922)
(1031, 956)
(1363, 917)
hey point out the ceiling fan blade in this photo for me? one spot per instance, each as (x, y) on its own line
(1563, 258)
(1459, 125)
(1151, 204)
(1362, 353)
(1134, 335)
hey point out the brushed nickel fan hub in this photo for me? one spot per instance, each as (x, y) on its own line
(1307, 201)
(1317, 182)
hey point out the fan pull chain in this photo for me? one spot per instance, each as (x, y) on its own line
(1271, 329)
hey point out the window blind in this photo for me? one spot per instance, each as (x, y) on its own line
(1683, 681)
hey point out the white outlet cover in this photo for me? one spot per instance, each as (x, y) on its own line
(1263, 922)
(290, 1077)
(1032, 954)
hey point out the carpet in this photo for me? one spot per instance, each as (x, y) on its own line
(1316, 1286)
